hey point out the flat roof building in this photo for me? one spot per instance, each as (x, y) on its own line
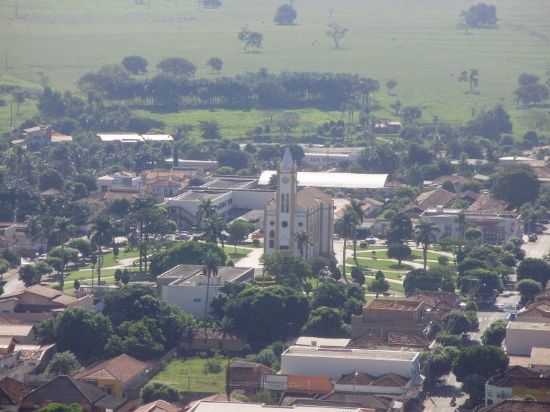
(522, 337)
(332, 362)
(208, 406)
(332, 180)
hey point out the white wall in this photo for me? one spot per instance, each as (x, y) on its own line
(189, 298)
(521, 341)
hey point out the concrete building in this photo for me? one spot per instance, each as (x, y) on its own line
(332, 180)
(164, 183)
(495, 227)
(517, 382)
(123, 181)
(292, 213)
(133, 138)
(185, 286)
(331, 362)
(539, 360)
(323, 157)
(522, 337)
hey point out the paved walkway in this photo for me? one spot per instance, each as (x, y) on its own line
(252, 260)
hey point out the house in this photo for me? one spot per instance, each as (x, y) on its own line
(437, 304)
(11, 393)
(7, 344)
(120, 181)
(23, 334)
(206, 406)
(538, 311)
(496, 226)
(66, 390)
(517, 382)
(25, 359)
(13, 236)
(186, 286)
(210, 339)
(292, 212)
(37, 137)
(324, 157)
(540, 360)
(38, 298)
(391, 385)
(430, 200)
(518, 405)
(522, 337)
(248, 376)
(387, 126)
(389, 323)
(164, 183)
(122, 376)
(158, 406)
(364, 401)
(333, 363)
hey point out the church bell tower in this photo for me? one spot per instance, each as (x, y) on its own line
(286, 204)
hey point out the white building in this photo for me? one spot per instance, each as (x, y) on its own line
(334, 363)
(292, 213)
(120, 181)
(522, 337)
(133, 138)
(332, 180)
(495, 227)
(185, 286)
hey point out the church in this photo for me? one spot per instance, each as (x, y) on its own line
(298, 223)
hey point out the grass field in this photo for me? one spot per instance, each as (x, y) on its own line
(236, 254)
(377, 264)
(189, 376)
(417, 43)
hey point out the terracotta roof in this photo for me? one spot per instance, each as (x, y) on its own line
(362, 400)
(309, 384)
(487, 203)
(311, 197)
(123, 368)
(516, 405)
(520, 377)
(12, 389)
(16, 330)
(158, 406)
(390, 379)
(396, 304)
(24, 318)
(5, 341)
(358, 378)
(434, 198)
(536, 311)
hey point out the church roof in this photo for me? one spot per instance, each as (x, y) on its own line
(288, 162)
(311, 197)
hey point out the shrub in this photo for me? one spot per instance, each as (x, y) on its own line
(212, 366)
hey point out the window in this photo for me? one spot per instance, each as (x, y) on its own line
(196, 300)
(272, 223)
(271, 233)
(284, 223)
(284, 247)
(300, 224)
(271, 244)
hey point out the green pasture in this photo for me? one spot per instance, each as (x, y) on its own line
(417, 43)
(189, 375)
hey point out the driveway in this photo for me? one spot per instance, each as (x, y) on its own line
(252, 260)
(13, 283)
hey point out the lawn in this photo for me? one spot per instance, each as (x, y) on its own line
(420, 46)
(378, 264)
(189, 375)
(236, 254)
(382, 254)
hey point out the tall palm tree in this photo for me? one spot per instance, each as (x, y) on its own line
(346, 227)
(61, 231)
(205, 212)
(211, 262)
(425, 234)
(302, 240)
(357, 208)
(102, 235)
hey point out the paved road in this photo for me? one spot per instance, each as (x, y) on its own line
(539, 248)
(252, 260)
(12, 281)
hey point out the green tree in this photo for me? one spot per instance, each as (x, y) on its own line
(536, 269)
(154, 391)
(345, 227)
(337, 33)
(215, 63)
(425, 234)
(135, 64)
(83, 333)
(457, 322)
(357, 208)
(211, 263)
(436, 364)
(63, 363)
(303, 241)
(102, 236)
(184, 253)
(516, 185)
(177, 66)
(528, 289)
(250, 39)
(494, 335)
(379, 284)
(481, 360)
(61, 407)
(358, 276)
(474, 386)
(399, 251)
(285, 15)
(288, 270)
(325, 322)
(491, 124)
(401, 228)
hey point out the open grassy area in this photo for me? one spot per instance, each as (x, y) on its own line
(189, 375)
(382, 254)
(420, 46)
(378, 264)
(235, 254)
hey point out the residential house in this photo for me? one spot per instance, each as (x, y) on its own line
(186, 286)
(538, 311)
(120, 182)
(387, 126)
(121, 377)
(518, 405)
(437, 304)
(429, 200)
(25, 359)
(164, 183)
(517, 382)
(391, 385)
(23, 334)
(391, 323)
(522, 337)
(11, 393)
(540, 360)
(159, 406)
(364, 401)
(7, 344)
(248, 376)
(13, 236)
(38, 298)
(66, 390)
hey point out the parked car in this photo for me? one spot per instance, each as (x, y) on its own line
(533, 237)
(371, 240)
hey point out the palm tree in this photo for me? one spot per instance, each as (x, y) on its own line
(346, 227)
(425, 234)
(302, 240)
(102, 235)
(61, 230)
(205, 212)
(215, 227)
(211, 262)
(357, 208)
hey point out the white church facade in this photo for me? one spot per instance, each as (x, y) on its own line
(298, 223)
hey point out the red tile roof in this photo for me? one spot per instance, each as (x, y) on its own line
(123, 368)
(309, 384)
